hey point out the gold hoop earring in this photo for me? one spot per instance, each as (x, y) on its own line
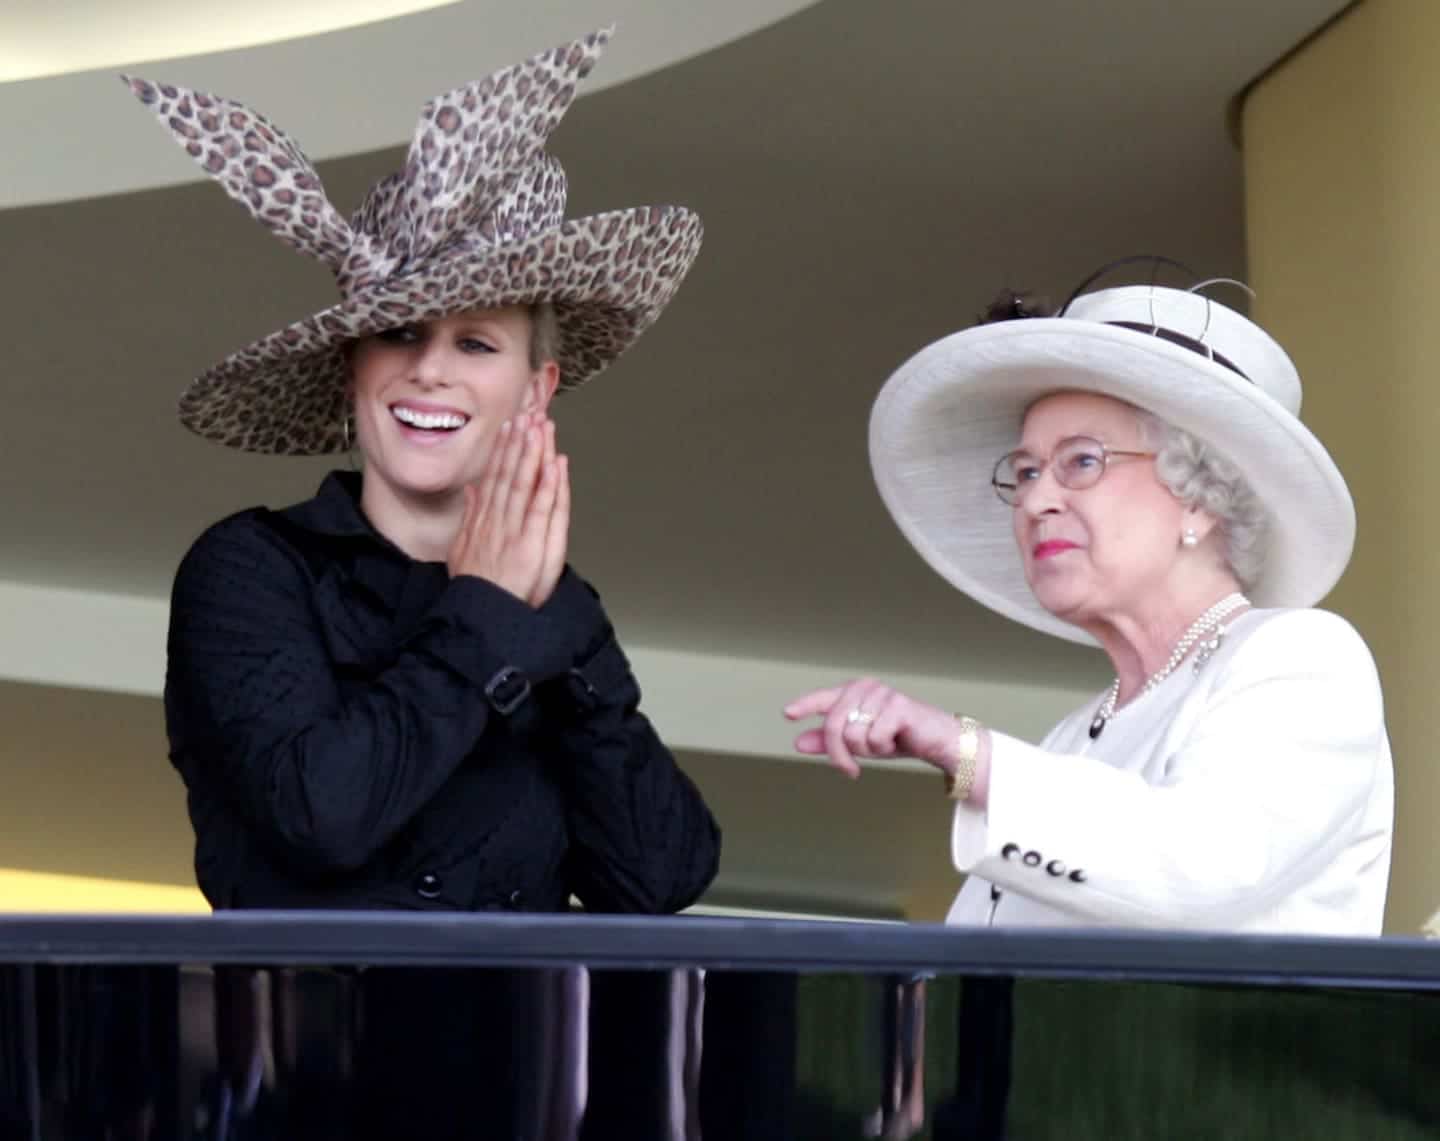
(347, 436)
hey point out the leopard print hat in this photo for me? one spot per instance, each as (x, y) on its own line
(474, 219)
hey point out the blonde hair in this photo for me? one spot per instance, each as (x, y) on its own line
(544, 334)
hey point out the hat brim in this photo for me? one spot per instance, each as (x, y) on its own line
(609, 276)
(950, 412)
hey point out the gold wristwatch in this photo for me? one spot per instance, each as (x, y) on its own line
(960, 781)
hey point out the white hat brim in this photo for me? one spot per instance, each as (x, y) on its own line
(950, 412)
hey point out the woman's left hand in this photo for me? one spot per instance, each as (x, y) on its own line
(556, 468)
(866, 718)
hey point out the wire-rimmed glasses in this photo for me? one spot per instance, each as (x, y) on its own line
(1077, 462)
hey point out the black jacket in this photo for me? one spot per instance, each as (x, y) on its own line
(358, 729)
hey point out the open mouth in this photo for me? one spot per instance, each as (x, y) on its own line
(439, 421)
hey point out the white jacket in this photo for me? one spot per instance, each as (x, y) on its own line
(1254, 795)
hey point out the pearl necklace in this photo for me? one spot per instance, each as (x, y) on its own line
(1208, 623)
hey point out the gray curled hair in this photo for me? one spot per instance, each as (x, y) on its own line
(1199, 477)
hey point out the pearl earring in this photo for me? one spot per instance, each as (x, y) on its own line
(1189, 539)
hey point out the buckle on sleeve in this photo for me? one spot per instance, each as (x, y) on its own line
(581, 690)
(507, 691)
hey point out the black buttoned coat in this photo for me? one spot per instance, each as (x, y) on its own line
(360, 730)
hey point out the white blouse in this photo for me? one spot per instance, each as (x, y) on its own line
(1256, 794)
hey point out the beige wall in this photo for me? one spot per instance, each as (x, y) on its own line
(1342, 166)
(93, 818)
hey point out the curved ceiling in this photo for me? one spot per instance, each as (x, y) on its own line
(45, 39)
(337, 92)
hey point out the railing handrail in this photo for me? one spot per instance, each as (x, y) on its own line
(485, 940)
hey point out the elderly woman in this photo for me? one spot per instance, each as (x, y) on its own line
(395, 694)
(1132, 473)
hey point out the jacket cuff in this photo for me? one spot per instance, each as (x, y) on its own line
(1014, 842)
(603, 681)
(598, 676)
(574, 609)
(494, 640)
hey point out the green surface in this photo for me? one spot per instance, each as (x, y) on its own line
(1110, 1061)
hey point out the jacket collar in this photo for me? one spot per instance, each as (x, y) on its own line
(335, 510)
(368, 563)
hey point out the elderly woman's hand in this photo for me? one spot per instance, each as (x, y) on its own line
(517, 515)
(866, 718)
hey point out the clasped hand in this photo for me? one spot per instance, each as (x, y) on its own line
(517, 514)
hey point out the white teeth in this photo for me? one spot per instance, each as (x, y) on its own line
(428, 419)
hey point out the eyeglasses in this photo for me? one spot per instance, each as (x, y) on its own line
(1077, 463)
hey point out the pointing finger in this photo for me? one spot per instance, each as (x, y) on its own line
(812, 704)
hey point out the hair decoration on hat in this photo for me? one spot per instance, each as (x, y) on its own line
(1012, 305)
(1197, 344)
(1211, 282)
(1199, 288)
(1155, 261)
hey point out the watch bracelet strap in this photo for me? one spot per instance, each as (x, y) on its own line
(961, 780)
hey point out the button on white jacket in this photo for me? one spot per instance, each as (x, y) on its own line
(1255, 795)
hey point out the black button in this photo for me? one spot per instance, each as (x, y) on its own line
(515, 900)
(1032, 859)
(1010, 851)
(507, 690)
(427, 886)
(1078, 876)
(1055, 868)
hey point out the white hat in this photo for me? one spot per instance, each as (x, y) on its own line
(952, 410)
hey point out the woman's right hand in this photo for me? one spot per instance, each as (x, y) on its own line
(506, 534)
(867, 718)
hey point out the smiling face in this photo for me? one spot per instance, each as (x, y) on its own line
(430, 398)
(1094, 552)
